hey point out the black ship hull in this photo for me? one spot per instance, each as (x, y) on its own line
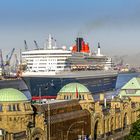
(48, 87)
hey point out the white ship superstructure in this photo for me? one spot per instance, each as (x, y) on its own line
(52, 60)
(49, 61)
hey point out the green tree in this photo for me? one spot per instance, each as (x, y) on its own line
(134, 132)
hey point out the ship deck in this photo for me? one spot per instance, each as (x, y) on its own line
(72, 74)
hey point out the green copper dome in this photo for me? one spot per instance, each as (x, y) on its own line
(10, 94)
(72, 87)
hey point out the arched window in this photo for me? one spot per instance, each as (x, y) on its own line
(119, 121)
(104, 126)
(96, 130)
(125, 121)
(107, 126)
(111, 125)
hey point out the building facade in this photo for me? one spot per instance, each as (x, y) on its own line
(74, 115)
(15, 114)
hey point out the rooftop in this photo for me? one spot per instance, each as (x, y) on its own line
(73, 88)
(11, 95)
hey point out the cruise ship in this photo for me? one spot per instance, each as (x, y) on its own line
(50, 68)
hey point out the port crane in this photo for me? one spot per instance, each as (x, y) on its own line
(5, 65)
(16, 62)
(25, 45)
(9, 56)
(1, 59)
(36, 45)
(1, 63)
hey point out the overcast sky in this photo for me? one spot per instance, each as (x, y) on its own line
(113, 23)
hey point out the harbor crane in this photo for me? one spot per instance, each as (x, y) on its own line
(1, 62)
(16, 62)
(9, 56)
(6, 65)
(1, 59)
(25, 45)
(36, 45)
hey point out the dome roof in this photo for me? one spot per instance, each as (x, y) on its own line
(72, 87)
(11, 94)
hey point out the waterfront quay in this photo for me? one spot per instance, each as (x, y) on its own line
(72, 116)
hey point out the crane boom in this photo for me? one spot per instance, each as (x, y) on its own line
(36, 44)
(25, 45)
(8, 58)
(16, 59)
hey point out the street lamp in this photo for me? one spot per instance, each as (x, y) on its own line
(79, 122)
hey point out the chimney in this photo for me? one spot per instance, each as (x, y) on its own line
(99, 49)
(79, 41)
